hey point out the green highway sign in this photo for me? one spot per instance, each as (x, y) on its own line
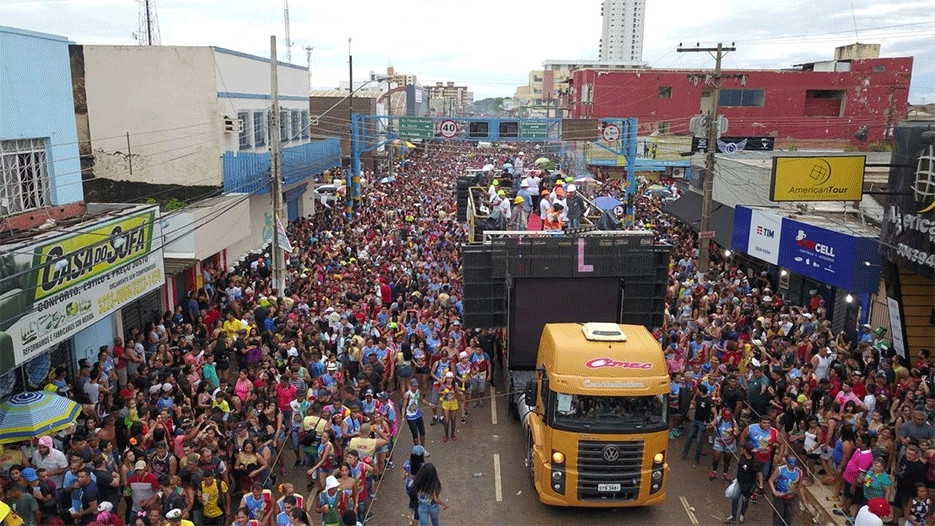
(416, 128)
(534, 129)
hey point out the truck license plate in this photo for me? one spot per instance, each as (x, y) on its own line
(608, 487)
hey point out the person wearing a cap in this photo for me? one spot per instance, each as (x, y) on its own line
(502, 204)
(331, 503)
(575, 205)
(518, 216)
(878, 509)
(142, 486)
(553, 219)
(493, 190)
(174, 518)
(545, 204)
(787, 488)
(526, 192)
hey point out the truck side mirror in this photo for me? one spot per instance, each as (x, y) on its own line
(529, 394)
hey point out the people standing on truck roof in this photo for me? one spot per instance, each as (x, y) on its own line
(553, 219)
(493, 189)
(575, 205)
(518, 216)
(545, 204)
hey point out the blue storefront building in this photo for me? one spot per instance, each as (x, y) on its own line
(812, 255)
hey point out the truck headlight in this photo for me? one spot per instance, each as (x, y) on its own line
(558, 457)
(657, 475)
(658, 458)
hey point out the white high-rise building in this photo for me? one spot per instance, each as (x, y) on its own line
(622, 35)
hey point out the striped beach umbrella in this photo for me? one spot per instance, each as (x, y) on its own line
(28, 415)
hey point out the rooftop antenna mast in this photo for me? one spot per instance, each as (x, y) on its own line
(288, 38)
(148, 34)
(308, 53)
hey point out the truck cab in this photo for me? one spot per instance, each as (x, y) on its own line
(596, 416)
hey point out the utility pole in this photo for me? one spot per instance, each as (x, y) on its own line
(704, 258)
(351, 130)
(278, 263)
(389, 124)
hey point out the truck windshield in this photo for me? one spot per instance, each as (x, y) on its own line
(610, 414)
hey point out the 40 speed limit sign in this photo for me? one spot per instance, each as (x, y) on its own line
(448, 128)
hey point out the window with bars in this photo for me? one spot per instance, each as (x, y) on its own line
(24, 175)
(296, 125)
(244, 136)
(284, 126)
(259, 129)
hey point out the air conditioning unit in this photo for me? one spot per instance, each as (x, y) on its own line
(232, 125)
(673, 171)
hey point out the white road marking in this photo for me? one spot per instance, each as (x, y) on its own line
(689, 510)
(493, 405)
(497, 484)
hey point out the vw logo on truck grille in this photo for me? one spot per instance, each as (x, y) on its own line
(611, 453)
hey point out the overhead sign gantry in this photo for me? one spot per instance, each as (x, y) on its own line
(371, 132)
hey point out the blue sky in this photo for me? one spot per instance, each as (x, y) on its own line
(491, 45)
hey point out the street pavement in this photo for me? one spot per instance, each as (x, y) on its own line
(493, 444)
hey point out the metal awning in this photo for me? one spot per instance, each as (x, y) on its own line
(687, 209)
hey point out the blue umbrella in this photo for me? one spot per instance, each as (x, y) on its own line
(387, 179)
(31, 414)
(606, 202)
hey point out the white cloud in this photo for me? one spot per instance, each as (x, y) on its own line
(490, 45)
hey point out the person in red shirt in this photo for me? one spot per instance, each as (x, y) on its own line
(857, 384)
(120, 361)
(285, 394)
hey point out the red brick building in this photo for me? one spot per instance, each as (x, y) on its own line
(820, 101)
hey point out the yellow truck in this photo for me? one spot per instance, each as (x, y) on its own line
(592, 394)
(595, 415)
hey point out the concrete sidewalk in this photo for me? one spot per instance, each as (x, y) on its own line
(820, 508)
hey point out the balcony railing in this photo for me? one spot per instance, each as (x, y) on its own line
(250, 172)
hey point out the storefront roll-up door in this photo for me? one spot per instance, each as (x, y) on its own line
(139, 312)
(292, 209)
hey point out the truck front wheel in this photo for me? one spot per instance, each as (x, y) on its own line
(530, 460)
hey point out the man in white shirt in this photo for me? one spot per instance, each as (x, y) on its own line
(50, 459)
(872, 513)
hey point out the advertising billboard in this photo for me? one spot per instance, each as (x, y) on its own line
(757, 233)
(908, 230)
(839, 259)
(817, 178)
(57, 286)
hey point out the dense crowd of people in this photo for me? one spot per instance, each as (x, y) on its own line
(196, 417)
